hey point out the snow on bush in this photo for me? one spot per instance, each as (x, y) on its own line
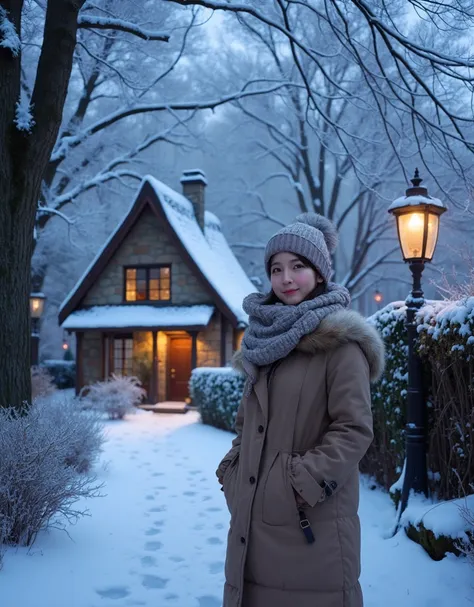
(42, 383)
(41, 456)
(446, 346)
(217, 393)
(384, 460)
(115, 396)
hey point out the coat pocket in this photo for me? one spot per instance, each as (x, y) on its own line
(229, 482)
(278, 502)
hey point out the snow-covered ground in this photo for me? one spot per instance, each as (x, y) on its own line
(157, 538)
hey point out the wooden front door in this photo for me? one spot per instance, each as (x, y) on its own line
(179, 367)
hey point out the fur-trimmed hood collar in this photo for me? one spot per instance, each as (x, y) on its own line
(340, 328)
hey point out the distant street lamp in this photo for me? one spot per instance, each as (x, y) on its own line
(378, 298)
(36, 310)
(417, 216)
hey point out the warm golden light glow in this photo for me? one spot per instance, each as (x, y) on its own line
(36, 306)
(378, 297)
(412, 229)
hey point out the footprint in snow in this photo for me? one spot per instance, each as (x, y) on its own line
(153, 546)
(189, 493)
(148, 561)
(153, 581)
(171, 597)
(194, 472)
(158, 474)
(218, 526)
(176, 559)
(206, 498)
(152, 531)
(214, 509)
(113, 592)
(150, 497)
(158, 509)
(214, 540)
(209, 601)
(198, 527)
(216, 567)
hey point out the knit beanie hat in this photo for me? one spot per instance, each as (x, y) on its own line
(312, 236)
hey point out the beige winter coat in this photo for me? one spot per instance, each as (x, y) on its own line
(307, 421)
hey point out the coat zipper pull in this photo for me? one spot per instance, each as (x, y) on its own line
(306, 527)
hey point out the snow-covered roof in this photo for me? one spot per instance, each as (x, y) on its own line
(405, 201)
(209, 251)
(123, 316)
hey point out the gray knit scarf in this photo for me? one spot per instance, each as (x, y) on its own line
(275, 329)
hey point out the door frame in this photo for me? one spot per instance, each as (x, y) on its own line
(171, 336)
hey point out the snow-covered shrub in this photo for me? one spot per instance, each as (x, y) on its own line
(115, 396)
(84, 428)
(217, 393)
(447, 345)
(63, 372)
(384, 460)
(39, 462)
(41, 383)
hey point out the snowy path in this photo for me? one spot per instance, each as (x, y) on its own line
(158, 537)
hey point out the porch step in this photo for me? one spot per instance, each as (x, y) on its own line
(166, 407)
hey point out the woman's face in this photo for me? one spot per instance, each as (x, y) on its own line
(291, 279)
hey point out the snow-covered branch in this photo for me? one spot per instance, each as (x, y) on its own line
(67, 143)
(107, 23)
(9, 38)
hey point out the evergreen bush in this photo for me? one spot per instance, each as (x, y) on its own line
(217, 393)
(63, 372)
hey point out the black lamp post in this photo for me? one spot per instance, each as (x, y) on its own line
(417, 216)
(36, 310)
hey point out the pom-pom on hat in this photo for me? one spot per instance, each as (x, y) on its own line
(312, 236)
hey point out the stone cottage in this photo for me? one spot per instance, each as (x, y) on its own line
(162, 297)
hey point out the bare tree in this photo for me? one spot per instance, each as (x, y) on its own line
(295, 146)
(30, 121)
(417, 63)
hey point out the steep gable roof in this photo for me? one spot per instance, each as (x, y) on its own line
(207, 254)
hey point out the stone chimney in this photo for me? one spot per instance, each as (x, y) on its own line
(194, 183)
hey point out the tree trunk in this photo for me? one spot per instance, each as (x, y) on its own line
(24, 156)
(16, 229)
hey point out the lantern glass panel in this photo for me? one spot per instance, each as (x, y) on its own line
(433, 227)
(36, 307)
(411, 227)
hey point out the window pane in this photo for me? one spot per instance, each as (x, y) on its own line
(131, 274)
(165, 294)
(155, 295)
(165, 283)
(165, 272)
(154, 273)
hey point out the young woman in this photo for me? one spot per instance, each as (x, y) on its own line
(291, 478)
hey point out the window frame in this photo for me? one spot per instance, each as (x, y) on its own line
(147, 267)
(123, 337)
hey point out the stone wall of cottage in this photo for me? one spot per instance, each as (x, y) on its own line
(92, 357)
(208, 353)
(147, 243)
